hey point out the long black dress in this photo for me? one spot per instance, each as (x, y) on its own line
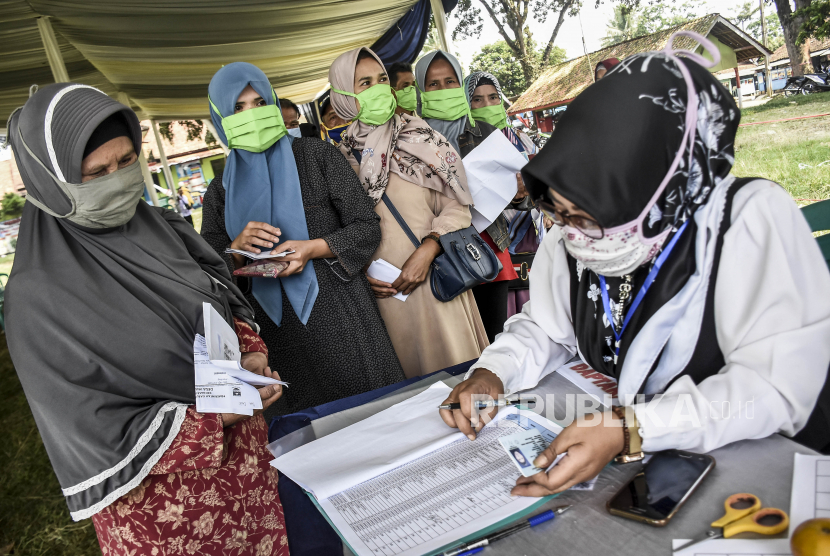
(344, 349)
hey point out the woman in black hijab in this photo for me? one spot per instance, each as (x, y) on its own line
(102, 308)
(668, 274)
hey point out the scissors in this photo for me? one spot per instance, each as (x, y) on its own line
(745, 515)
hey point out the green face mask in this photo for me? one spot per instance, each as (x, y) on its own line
(377, 104)
(494, 115)
(407, 99)
(255, 129)
(445, 104)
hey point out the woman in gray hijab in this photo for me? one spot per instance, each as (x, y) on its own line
(102, 308)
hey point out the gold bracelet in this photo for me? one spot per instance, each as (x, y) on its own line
(633, 448)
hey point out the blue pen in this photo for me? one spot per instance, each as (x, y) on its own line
(471, 552)
(478, 545)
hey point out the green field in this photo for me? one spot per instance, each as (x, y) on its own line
(33, 516)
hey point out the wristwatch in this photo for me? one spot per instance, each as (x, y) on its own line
(633, 449)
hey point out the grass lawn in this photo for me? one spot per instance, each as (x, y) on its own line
(33, 515)
(788, 152)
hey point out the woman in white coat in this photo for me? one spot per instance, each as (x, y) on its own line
(667, 273)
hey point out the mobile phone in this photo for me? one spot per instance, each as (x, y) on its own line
(655, 494)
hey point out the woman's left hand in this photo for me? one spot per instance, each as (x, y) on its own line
(416, 267)
(254, 361)
(589, 446)
(521, 192)
(304, 251)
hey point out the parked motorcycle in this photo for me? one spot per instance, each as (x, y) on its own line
(809, 83)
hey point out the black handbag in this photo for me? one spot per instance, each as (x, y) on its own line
(521, 264)
(465, 263)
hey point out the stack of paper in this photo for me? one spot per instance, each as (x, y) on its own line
(386, 272)
(491, 176)
(258, 256)
(222, 385)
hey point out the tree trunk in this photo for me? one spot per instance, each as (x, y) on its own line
(790, 25)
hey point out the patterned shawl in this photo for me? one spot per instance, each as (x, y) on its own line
(405, 145)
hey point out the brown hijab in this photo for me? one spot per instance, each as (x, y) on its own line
(405, 144)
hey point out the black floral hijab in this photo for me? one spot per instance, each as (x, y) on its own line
(639, 145)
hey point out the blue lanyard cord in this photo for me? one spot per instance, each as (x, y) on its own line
(640, 294)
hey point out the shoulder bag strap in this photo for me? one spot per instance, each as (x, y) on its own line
(400, 220)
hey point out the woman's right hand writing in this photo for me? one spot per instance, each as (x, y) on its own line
(481, 383)
(255, 236)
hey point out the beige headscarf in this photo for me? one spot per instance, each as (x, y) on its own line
(406, 145)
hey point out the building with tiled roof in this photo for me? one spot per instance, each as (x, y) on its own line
(817, 48)
(560, 84)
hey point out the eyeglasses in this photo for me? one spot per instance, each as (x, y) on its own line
(585, 225)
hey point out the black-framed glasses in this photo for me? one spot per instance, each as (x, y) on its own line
(587, 226)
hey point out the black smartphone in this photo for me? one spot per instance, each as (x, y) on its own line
(655, 494)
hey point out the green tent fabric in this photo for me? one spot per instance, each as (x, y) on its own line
(163, 54)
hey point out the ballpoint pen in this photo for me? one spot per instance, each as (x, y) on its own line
(494, 403)
(498, 535)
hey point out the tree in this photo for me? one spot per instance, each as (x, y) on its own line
(622, 26)
(746, 12)
(12, 206)
(816, 21)
(656, 17)
(497, 58)
(510, 17)
(775, 37)
(630, 22)
(791, 25)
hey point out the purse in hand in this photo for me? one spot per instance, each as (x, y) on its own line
(262, 268)
(467, 261)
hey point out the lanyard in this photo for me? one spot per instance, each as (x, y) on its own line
(640, 294)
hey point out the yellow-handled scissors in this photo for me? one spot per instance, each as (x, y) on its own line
(745, 515)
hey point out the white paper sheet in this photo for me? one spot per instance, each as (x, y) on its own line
(404, 483)
(811, 489)
(386, 272)
(734, 547)
(491, 170)
(222, 385)
(259, 256)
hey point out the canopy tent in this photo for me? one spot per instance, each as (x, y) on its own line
(160, 55)
(560, 84)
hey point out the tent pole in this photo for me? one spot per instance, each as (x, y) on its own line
(53, 51)
(209, 127)
(441, 25)
(738, 88)
(767, 77)
(148, 178)
(168, 176)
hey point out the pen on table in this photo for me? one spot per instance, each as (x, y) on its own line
(494, 403)
(471, 552)
(498, 535)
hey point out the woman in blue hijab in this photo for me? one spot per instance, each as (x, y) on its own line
(319, 318)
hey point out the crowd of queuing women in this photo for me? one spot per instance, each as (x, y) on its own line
(638, 169)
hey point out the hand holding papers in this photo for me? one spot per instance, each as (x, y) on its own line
(222, 385)
(258, 256)
(491, 175)
(385, 272)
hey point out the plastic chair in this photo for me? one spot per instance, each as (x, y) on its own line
(3, 279)
(818, 217)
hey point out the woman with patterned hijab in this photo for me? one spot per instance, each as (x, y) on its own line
(116, 289)
(667, 273)
(400, 156)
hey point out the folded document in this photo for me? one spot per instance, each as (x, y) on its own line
(222, 385)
